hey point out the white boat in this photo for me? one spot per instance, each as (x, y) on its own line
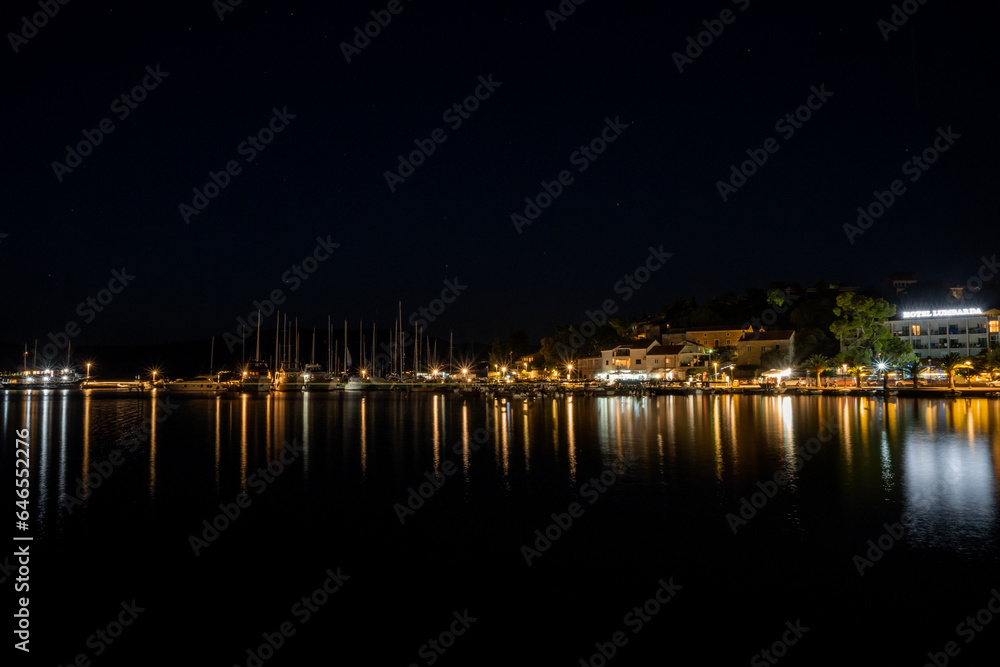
(198, 384)
(256, 378)
(314, 378)
(355, 383)
(289, 378)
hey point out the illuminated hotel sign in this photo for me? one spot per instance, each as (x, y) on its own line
(953, 312)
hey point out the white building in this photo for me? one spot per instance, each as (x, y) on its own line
(647, 360)
(937, 332)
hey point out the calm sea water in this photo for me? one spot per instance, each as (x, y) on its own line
(869, 527)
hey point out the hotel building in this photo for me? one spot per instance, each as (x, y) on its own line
(937, 332)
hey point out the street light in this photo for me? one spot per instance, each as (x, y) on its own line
(570, 376)
(88, 370)
(716, 364)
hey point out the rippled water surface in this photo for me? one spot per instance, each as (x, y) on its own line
(872, 524)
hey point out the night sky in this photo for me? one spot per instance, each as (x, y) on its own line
(551, 92)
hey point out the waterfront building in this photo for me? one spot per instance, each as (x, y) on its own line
(710, 338)
(763, 350)
(935, 332)
(650, 360)
(587, 368)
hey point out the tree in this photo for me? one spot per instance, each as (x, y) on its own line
(855, 360)
(501, 354)
(987, 363)
(861, 323)
(817, 363)
(915, 366)
(951, 363)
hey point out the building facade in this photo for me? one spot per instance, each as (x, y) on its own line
(763, 348)
(936, 332)
(710, 338)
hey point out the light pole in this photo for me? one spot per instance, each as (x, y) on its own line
(570, 375)
(88, 370)
(716, 364)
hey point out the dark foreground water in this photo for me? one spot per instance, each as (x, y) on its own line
(823, 530)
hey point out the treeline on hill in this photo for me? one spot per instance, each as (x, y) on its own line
(809, 312)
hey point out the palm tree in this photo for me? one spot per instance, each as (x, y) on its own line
(817, 363)
(914, 366)
(950, 363)
(987, 363)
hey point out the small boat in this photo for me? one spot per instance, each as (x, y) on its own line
(355, 383)
(203, 384)
(314, 378)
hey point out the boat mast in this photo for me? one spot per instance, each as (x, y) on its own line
(257, 357)
(312, 359)
(211, 356)
(373, 348)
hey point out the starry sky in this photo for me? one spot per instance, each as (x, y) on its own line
(226, 146)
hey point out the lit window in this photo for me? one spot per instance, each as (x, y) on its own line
(915, 330)
(994, 326)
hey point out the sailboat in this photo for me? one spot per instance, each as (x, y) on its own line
(256, 375)
(290, 376)
(314, 378)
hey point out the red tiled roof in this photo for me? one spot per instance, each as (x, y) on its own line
(667, 349)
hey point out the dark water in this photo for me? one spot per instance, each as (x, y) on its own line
(659, 485)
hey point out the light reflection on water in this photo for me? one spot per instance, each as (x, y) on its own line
(934, 460)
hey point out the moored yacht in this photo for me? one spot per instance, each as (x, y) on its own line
(256, 378)
(197, 384)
